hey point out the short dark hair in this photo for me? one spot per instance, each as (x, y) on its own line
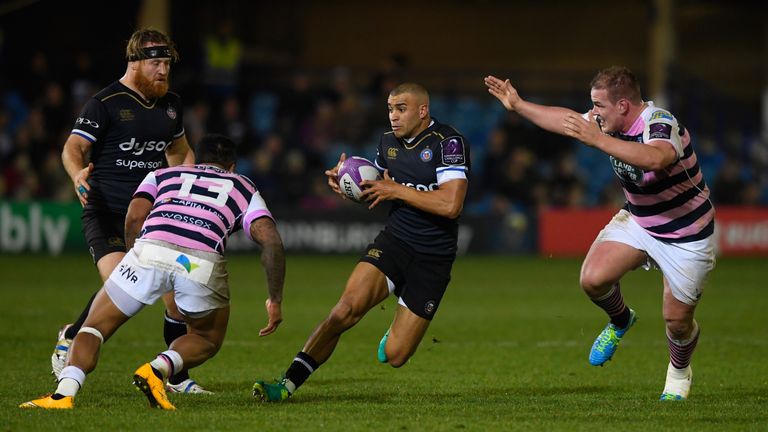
(216, 149)
(620, 83)
(417, 90)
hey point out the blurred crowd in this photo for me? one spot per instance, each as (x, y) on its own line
(290, 130)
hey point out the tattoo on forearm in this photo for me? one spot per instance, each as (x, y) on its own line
(272, 255)
(273, 260)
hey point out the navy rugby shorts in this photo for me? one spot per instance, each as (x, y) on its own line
(420, 279)
(104, 232)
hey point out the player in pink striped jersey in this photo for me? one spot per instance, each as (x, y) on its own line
(667, 221)
(185, 215)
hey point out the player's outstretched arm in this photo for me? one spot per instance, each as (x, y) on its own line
(549, 118)
(656, 155)
(503, 91)
(179, 152)
(138, 210)
(73, 158)
(264, 232)
(333, 176)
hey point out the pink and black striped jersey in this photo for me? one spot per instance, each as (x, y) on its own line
(672, 204)
(199, 206)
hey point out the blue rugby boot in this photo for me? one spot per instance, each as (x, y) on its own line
(381, 354)
(608, 340)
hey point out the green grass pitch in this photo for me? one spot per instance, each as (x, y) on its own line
(507, 351)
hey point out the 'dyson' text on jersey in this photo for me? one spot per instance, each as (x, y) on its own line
(437, 155)
(129, 137)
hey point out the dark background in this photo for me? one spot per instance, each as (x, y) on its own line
(312, 79)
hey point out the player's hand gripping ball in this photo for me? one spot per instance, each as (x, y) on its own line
(352, 171)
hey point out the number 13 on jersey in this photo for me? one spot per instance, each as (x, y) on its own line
(221, 187)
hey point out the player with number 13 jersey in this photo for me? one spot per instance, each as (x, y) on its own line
(199, 206)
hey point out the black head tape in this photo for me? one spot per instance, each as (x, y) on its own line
(151, 52)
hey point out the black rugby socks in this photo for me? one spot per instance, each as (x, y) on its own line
(74, 328)
(302, 367)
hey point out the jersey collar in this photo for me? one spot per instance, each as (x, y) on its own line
(412, 139)
(210, 167)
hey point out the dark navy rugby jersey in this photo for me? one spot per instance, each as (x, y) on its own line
(437, 155)
(129, 139)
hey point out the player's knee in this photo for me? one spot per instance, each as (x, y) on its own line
(590, 284)
(594, 282)
(398, 359)
(679, 329)
(207, 342)
(343, 315)
(212, 348)
(397, 353)
(207, 347)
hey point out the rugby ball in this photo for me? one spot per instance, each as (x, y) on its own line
(352, 171)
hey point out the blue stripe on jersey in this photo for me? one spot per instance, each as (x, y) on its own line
(452, 168)
(687, 152)
(237, 225)
(181, 217)
(678, 201)
(84, 134)
(185, 203)
(701, 235)
(682, 221)
(664, 184)
(193, 235)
